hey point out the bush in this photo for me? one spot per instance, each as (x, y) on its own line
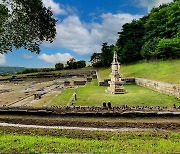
(168, 48)
(98, 64)
(148, 49)
(59, 66)
(81, 64)
(47, 69)
(30, 70)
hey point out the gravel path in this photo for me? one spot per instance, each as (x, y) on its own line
(78, 128)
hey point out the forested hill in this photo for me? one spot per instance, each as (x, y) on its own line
(154, 36)
(10, 70)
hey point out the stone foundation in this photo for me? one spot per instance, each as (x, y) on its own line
(67, 83)
(79, 83)
(125, 80)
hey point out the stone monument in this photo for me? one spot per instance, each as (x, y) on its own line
(116, 83)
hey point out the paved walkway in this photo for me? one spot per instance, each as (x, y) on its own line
(78, 128)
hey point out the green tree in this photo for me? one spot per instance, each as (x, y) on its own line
(81, 64)
(95, 56)
(72, 63)
(59, 66)
(140, 38)
(130, 41)
(168, 48)
(163, 22)
(148, 49)
(3, 16)
(96, 60)
(27, 25)
(107, 54)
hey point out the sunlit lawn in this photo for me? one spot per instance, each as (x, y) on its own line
(166, 71)
(63, 98)
(94, 95)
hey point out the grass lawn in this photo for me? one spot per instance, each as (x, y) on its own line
(63, 98)
(94, 95)
(46, 99)
(88, 142)
(167, 71)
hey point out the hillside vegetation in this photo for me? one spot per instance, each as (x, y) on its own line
(166, 71)
(154, 36)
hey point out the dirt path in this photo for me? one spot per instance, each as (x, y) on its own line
(29, 101)
(56, 94)
(79, 128)
(24, 101)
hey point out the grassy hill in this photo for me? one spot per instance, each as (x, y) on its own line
(167, 71)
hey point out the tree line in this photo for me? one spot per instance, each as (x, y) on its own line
(154, 36)
(71, 64)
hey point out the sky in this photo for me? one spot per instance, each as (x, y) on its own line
(82, 27)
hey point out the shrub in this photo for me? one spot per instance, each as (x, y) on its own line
(148, 49)
(168, 48)
(81, 64)
(59, 66)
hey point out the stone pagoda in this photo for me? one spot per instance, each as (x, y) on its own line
(116, 84)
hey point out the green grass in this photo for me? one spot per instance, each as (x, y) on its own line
(63, 98)
(167, 71)
(90, 142)
(94, 95)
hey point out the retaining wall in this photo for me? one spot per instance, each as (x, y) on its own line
(124, 111)
(169, 89)
(80, 83)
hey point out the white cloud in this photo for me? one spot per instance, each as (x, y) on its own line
(159, 2)
(85, 38)
(2, 59)
(56, 8)
(26, 56)
(156, 3)
(55, 58)
(140, 3)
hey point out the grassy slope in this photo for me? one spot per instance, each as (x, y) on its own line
(167, 71)
(63, 98)
(94, 95)
(89, 142)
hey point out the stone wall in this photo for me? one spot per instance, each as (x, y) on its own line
(169, 89)
(80, 83)
(126, 111)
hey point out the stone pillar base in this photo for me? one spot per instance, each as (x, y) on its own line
(116, 91)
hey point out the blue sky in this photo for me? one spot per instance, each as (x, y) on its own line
(83, 25)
